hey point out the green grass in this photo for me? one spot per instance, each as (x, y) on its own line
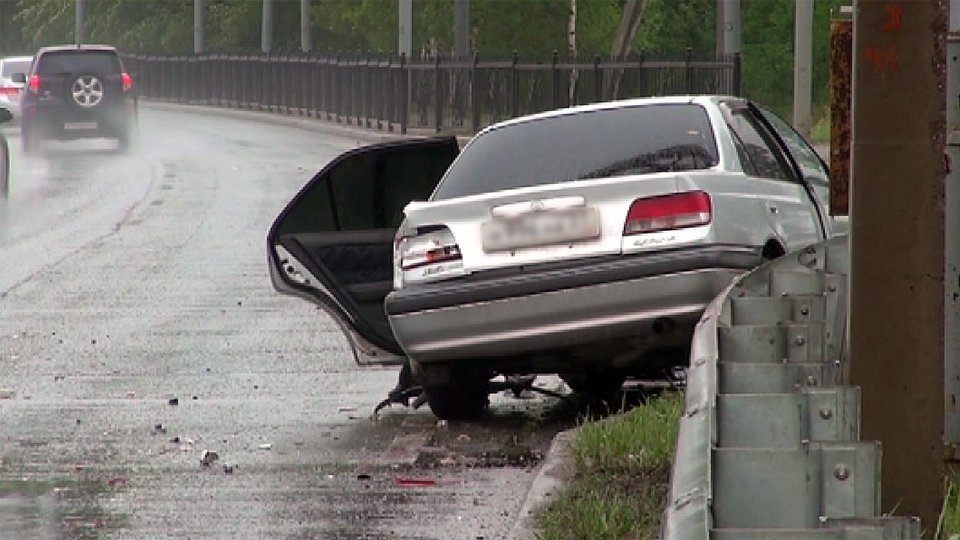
(949, 526)
(623, 468)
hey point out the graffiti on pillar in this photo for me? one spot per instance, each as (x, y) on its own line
(882, 59)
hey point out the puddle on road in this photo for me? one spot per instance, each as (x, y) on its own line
(55, 510)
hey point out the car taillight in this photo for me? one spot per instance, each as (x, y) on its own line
(34, 84)
(431, 247)
(9, 90)
(127, 81)
(666, 212)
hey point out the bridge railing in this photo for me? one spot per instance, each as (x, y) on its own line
(438, 94)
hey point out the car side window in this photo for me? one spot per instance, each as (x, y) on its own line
(810, 163)
(764, 157)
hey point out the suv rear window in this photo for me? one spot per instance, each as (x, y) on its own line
(592, 144)
(70, 62)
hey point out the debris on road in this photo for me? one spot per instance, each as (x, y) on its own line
(131, 394)
(463, 437)
(362, 477)
(347, 409)
(173, 401)
(117, 482)
(414, 482)
(265, 446)
(228, 469)
(7, 394)
(159, 429)
(208, 457)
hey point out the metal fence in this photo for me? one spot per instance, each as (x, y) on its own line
(392, 93)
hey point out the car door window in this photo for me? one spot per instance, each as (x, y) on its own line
(806, 157)
(759, 152)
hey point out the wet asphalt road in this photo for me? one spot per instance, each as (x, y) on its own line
(129, 280)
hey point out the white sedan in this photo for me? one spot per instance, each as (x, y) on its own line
(583, 242)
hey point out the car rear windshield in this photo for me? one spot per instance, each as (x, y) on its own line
(70, 62)
(590, 144)
(14, 66)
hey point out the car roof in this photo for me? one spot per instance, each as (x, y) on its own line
(83, 47)
(610, 105)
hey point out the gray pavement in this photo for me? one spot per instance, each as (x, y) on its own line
(127, 282)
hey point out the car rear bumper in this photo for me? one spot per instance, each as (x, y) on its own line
(551, 309)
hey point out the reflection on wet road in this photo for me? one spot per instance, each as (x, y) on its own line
(139, 330)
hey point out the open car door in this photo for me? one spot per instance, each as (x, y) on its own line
(333, 243)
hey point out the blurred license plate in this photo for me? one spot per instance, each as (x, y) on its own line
(79, 125)
(540, 229)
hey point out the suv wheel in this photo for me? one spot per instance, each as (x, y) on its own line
(462, 397)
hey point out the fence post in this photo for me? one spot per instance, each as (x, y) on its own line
(366, 91)
(475, 97)
(554, 80)
(597, 80)
(736, 74)
(642, 75)
(380, 90)
(514, 86)
(437, 90)
(688, 70)
(404, 93)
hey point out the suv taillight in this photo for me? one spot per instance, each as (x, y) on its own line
(127, 81)
(666, 212)
(34, 84)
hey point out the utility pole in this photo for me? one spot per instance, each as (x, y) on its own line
(802, 61)
(306, 40)
(78, 21)
(266, 27)
(405, 45)
(199, 23)
(461, 28)
(896, 325)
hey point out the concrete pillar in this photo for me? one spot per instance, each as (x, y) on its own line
(897, 237)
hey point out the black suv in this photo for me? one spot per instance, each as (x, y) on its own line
(74, 92)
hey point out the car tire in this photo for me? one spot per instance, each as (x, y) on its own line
(462, 397)
(602, 384)
(4, 168)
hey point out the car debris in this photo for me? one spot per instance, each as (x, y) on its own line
(208, 458)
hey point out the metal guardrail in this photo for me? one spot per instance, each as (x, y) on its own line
(769, 443)
(392, 93)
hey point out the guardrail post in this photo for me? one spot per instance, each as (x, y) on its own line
(597, 79)
(688, 71)
(736, 73)
(437, 95)
(475, 94)
(514, 86)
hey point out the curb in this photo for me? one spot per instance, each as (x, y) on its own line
(298, 120)
(558, 466)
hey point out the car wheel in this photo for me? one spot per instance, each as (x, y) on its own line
(462, 397)
(595, 383)
(4, 167)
